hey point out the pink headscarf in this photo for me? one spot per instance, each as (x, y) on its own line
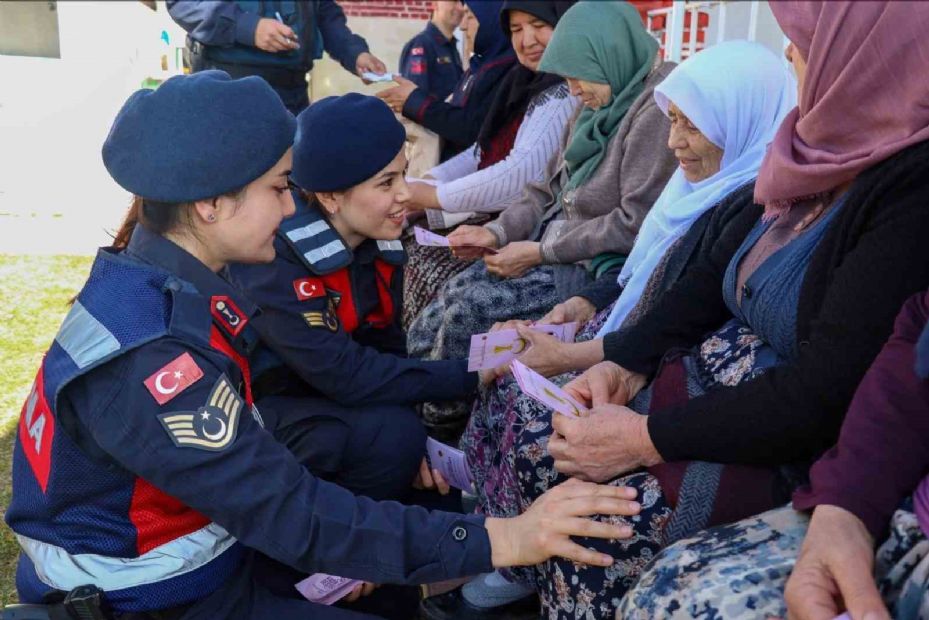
(865, 97)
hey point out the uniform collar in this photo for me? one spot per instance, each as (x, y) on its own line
(164, 253)
(440, 38)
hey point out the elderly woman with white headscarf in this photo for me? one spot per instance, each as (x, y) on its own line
(725, 105)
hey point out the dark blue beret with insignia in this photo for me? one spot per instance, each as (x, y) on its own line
(197, 136)
(344, 141)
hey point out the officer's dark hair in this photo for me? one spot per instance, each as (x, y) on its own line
(161, 217)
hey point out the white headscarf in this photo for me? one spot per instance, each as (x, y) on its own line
(736, 93)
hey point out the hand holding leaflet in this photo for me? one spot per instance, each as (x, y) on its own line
(451, 463)
(326, 589)
(374, 77)
(494, 349)
(429, 238)
(546, 392)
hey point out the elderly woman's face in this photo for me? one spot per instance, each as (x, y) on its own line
(697, 156)
(594, 95)
(530, 36)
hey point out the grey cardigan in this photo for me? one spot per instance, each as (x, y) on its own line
(604, 214)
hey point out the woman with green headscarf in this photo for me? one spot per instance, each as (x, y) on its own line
(613, 164)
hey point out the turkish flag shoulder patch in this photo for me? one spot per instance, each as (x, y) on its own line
(309, 288)
(173, 378)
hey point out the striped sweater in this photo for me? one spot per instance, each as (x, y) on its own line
(462, 187)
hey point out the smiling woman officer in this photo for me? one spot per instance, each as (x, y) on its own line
(331, 376)
(139, 467)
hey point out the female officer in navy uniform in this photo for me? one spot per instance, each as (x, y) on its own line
(332, 362)
(140, 464)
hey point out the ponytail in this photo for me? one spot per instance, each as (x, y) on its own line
(121, 240)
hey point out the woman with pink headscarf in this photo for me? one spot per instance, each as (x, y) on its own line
(860, 136)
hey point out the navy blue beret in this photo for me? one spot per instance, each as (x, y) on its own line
(344, 141)
(197, 136)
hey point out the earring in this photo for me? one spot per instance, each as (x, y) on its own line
(211, 218)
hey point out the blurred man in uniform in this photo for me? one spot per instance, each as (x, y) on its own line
(278, 41)
(431, 59)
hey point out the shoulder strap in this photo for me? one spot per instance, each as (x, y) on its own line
(320, 248)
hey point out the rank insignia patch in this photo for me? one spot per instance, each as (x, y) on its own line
(228, 315)
(212, 427)
(321, 319)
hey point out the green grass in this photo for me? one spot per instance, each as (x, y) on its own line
(34, 295)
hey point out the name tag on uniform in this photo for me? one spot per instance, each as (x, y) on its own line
(444, 60)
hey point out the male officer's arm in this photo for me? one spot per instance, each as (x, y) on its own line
(340, 42)
(416, 66)
(215, 23)
(300, 333)
(460, 125)
(252, 486)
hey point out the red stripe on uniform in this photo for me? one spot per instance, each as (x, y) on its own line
(159, 518)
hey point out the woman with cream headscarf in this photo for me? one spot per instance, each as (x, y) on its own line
(717, 399)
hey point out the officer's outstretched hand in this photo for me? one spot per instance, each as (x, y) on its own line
(369, 63)
(273, 36)
(545, 529)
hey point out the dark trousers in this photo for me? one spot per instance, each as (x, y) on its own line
(264, 590)
(291, 86)
(373, 451)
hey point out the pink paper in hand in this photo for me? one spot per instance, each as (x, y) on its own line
(326, 589)
(544, 391)
(429, 238)
(451, 463)
(494, 349)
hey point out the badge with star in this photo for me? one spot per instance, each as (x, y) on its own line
(213, 426)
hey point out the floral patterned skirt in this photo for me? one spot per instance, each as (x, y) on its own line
(506, 443)
(470, 303)
(740, 570)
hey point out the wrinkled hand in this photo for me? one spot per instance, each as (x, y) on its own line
(474, 237)
(544, 353)
(362, 589)
(574, 309)
(396, 97)
(835, 564)
(545, 528)
(430, 479)
(514, 259)
(606, 383)
(608, 442)
(368, 62)
(273, 36)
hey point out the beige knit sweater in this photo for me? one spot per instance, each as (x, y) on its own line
(604, 214)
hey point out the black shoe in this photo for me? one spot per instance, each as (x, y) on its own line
(453, 606)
